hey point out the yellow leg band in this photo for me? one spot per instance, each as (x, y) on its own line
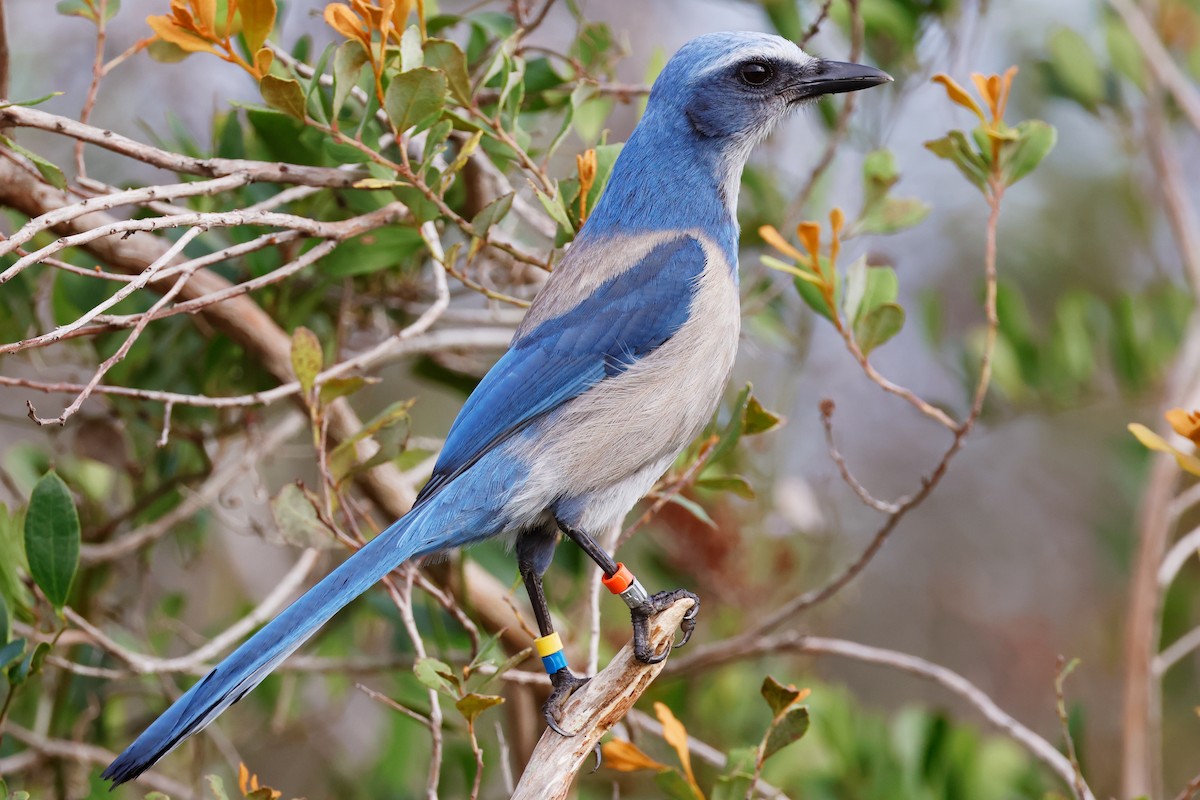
(548, 645)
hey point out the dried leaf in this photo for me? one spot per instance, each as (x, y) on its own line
(676, 735)
(1151, 440)
(780, 697)
(625, 756)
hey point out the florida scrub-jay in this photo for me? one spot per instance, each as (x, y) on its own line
(617, 366)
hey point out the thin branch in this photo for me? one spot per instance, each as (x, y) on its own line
(1186, 548)
(259, 171)
(138, 196)
(1164, 68)
(263, 612)
(79, 752)
(795, 642)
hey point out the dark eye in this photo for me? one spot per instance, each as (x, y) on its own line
(756, 73)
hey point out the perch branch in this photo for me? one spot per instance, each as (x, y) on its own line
(592, 711)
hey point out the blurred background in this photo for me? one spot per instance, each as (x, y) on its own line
(1026, 551)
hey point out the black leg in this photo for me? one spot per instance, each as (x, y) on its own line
(533, 557)
(642, 606)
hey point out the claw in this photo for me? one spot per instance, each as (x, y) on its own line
(599, 758)
(641, 624)
(565, 685)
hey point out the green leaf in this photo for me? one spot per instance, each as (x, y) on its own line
(778, 696)
(695, 509)
(880, 287)
(1075, 68)
(880, 174)
(728, 483)
(674, 786)
(11, 652)
(788, 728)
(79, 8)
(348, 63)
(878, 326)
(334, 388)
(415, 98)
(758, 419)
(307, 358)
(892, 215)
(52, 538)
(34, 102)
(555, 208)
(739, 772)
(284, 94)
(1123, 51)
(449, 58)
(12, 559)
(30, 666)
(1035, 140)
(492, 213)
(813, 297)
(955, 148)
(217, 788)
(471, 705)
(297, 521)
(5, 622)
(733, 429)
(436, 675)
(53, 175)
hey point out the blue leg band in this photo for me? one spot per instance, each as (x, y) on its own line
(554, 662)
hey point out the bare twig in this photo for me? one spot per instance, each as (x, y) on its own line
(1162, 66)
(1060, 706)
(264, 611)
(90, 754)
(259, 171)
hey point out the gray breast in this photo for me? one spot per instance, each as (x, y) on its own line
(615, 440)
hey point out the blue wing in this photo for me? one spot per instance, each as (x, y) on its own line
(625, 319)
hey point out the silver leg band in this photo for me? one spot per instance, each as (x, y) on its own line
(635, 596)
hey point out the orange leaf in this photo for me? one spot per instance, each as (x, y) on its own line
(1005, 89)
(386, 23)
(263, 60)
(243, 778)
(774, 238)
(166, 29)
(676, 735)
(1185, 424)
(625, 756)
(400, 12)
(206, 13)
(342, 20)
(836, 220)
(958, 94)
(258, 20)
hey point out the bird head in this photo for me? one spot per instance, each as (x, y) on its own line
(733, 87)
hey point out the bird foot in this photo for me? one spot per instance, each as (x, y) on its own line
(641, 623)
(565, 684)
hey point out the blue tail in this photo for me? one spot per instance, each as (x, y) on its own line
(412, 535)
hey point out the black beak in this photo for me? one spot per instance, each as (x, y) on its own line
(835, 77)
